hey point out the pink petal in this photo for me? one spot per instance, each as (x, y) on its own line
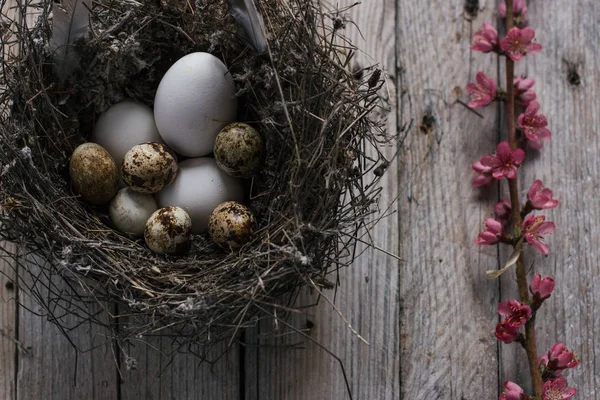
(544, 134)
(480, 168)
(534, 48)
(503, 150)
(515, 56)
(502, 9)
(545, 228)
(568, 393)
(483, 46)
(493, 225)
(533, 108)
(482, 180)
(537, 243)
(487, 83)
(536, 144)
(518, 156)
(527, 34)
(486, 238)
(510, 172)
(498, 173)
(487, 162)
(525, 83)
(534, 189)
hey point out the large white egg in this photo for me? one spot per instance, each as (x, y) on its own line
(194, 101)
(123, 126)
(199, 187)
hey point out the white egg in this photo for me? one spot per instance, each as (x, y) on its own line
(123, 126)
(130, 210)
(194, 101)
(168, 231)
(199, 187)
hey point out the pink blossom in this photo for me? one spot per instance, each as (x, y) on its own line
(558, 358)
(483, 92)
(539, 197)
(503, 209)
(485, 174)
(505, 162)
(519, 11)
(505, 332)
(516, 313)
(534, 124)
(536, 145)
(492, 233)
(519, 42)
(557, 390)
(534, 227)
(541, 288)
(512, 391)
(485, 39)
(523, 93)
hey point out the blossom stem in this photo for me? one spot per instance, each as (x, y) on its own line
(530, 344)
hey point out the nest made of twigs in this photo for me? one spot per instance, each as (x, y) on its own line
(311, 198)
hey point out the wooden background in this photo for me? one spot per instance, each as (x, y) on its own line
(430, 318)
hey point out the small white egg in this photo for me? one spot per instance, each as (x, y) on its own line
(149, 167)
(168, 231)
(129, 211)
(194, 101)
(123, 126)
(200, 186)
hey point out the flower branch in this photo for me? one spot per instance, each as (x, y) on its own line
(513, 224)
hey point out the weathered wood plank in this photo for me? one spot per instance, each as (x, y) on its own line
(367, 295)
(570, 166)
(448, 315)
(52, 369)
(8, 318)
(161, 375)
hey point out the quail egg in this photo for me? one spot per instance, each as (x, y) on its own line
(231, 225)
(239, 150)
(93, 174)
(149, 167)
(130, 210)
(168, 231)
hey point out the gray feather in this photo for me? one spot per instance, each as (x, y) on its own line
(246, 14)
(71, 20)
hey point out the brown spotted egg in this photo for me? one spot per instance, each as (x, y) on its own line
(149, 167)
(239, 150)
(168, 231)
(93, 174)
(231, 225)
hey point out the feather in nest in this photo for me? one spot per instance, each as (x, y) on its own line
(71, 20)
(249, 18)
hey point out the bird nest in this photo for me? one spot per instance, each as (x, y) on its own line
(312, 198)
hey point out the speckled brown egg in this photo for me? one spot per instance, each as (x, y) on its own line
(149, 167)
(231, 225)
(93, 174)
(168, 231)
(239, 150)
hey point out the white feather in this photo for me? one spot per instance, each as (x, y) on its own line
(247, 15)
(71, 20)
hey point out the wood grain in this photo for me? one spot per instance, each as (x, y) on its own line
(448, 311)
(8, 319)
(51, 368)
(367, 294)
(162, 375)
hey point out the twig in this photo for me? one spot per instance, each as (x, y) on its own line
(530, 344)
